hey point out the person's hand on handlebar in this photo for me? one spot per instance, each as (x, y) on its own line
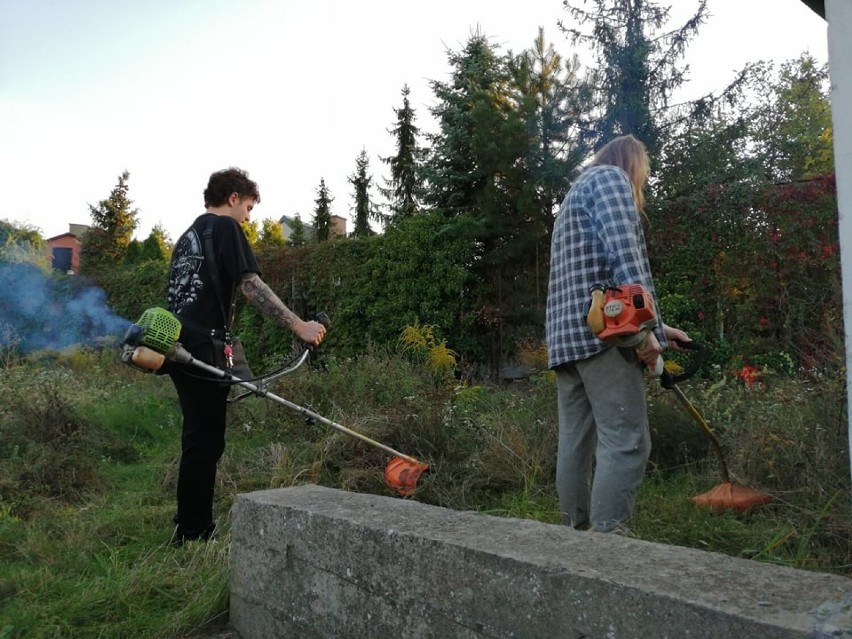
(675, 335)
(309, 332)
(649, 350)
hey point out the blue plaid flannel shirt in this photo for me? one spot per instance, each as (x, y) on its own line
(597, 238)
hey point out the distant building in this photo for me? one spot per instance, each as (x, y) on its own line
(65, 249)
(338, 227)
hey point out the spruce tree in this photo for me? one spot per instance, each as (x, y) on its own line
(637, 63)
(405, 185)
(133, 254)
(298, 237)
(470, 110)
(153, 248)
(113, 223)
(365, 210)
(484, 176)
(160, 237)
(322, 213)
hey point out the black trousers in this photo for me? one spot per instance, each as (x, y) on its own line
(203, 403)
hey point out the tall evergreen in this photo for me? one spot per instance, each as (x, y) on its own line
(322, 213)
(461, 169)
(159, 237)
(113, 223)
(637, 62)
(156, 247)
(405, 185)
(555, 103)
(298, 237)
(365, 210)
(485, 175)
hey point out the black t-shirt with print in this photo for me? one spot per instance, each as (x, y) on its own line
(190, 295)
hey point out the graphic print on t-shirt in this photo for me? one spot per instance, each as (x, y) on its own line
(185, 283)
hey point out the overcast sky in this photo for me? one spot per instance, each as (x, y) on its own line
(292, 91)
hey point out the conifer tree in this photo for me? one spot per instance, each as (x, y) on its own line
(365, 210)
(152, 249)
(113, 223)
(555, 103)
(298, 237)
(637, 62)
(405, 185)
(483, 177)
(322, 213)
(160, 237)
(155, 247)
(133, 254)
(471, 111)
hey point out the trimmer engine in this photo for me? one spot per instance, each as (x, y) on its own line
(151, 340)
(622, 315)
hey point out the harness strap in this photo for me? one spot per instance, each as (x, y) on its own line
(213, 269)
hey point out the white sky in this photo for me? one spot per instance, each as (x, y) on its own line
(290, 90)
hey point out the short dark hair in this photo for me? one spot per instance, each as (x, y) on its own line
(223, 183)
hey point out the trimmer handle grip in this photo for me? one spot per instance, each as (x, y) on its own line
(667, 380)
(322, 318)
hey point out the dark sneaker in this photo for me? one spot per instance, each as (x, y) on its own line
(182, 535)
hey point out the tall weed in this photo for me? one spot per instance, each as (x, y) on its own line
(88, 470)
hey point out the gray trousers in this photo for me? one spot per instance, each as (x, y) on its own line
(604, 440)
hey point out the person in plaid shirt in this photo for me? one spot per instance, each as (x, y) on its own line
(604, 439)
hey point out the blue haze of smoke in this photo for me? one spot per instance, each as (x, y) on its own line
(41, 312)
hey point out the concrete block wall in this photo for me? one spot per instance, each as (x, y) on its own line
(310, 562)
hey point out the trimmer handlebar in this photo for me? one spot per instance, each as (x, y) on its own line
(667, 380)
(153, 339)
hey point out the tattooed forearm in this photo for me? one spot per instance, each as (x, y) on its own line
(263, 298)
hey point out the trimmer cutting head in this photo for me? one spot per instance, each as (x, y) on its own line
(401, 475)
(730, 496)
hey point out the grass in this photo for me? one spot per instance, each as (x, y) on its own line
(88, 467)
(91, 558)
(104, 568)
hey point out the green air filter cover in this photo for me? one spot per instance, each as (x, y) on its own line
(160, 329)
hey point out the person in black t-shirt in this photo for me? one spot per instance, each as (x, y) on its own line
(201, 297)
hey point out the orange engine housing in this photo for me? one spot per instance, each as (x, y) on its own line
(627, 310)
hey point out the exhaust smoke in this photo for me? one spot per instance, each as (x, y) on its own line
(39, 312)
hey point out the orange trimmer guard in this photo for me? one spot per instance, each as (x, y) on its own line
(730, 496)
(401, 475)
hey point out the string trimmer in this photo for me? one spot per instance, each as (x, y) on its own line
(624, 316)
(152, 340)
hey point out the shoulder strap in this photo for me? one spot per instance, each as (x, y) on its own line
(213, 269)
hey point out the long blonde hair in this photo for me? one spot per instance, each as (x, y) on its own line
(631, 155)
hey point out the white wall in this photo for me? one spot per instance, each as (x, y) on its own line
(839, 16)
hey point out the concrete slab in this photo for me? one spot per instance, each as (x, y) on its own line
(317, 562)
